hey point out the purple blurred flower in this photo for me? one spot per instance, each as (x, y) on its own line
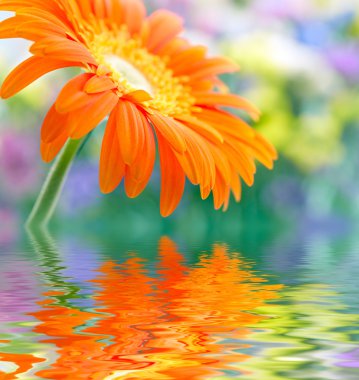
(295, 9)
(349, 359)
(345, 59)
(18, 163)
(284, 194)
(202, 18)
(181, 7)
(9, 226)
(82, 189)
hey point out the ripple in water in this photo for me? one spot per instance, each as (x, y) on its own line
(74, 315)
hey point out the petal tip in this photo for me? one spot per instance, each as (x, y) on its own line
(166, 213)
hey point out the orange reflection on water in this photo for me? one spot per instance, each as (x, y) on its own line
(23, 362)
(173, 322)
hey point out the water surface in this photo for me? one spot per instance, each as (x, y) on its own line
(170, 309)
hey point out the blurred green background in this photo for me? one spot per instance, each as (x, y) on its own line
(299, 63)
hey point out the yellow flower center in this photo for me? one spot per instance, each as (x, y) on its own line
(125, 72)
(134, 68)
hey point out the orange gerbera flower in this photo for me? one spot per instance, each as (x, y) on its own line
(150, 82)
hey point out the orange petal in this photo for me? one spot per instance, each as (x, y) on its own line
(62, 48)
(14, 5)
(85, 7)
(227, 198)
(72, 11)
(262, 150)
(139, 173)
(203, 85)
(86, 119)
(134, 14)
(173, 47)
(55, 124)
(221, 193)
(222, 163)
(187, 57)
(35, 30)
(197, 161)
(236, 186)
(226, 123)
(229, 100)
(207, 68)
(130, 130)
(112, 167)
(202, 128)
(170, 130)
(163, 27)
(50, 150)
(138, 96)
(55, 17)
(100, 10)
(99, 84)
(72, 96)
(241, 161)
(117, 13)
(267, 145)
(172, 178)
(28, 71)
(28, 28)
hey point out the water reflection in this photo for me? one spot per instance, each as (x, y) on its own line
(160, 318)
(314, 334)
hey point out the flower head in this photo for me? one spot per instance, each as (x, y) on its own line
(156, 88)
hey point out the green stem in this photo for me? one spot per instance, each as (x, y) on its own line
(47, 200)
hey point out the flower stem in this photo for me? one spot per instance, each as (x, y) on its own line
(48, 198)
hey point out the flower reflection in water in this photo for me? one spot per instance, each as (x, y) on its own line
(168, 320)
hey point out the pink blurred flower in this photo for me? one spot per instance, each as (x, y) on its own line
(18, 163)
(345, 59)
(9, 226)
(295, 9)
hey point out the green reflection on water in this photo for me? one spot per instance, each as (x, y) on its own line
(309, 333)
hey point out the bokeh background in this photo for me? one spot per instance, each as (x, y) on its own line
(299, 63)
